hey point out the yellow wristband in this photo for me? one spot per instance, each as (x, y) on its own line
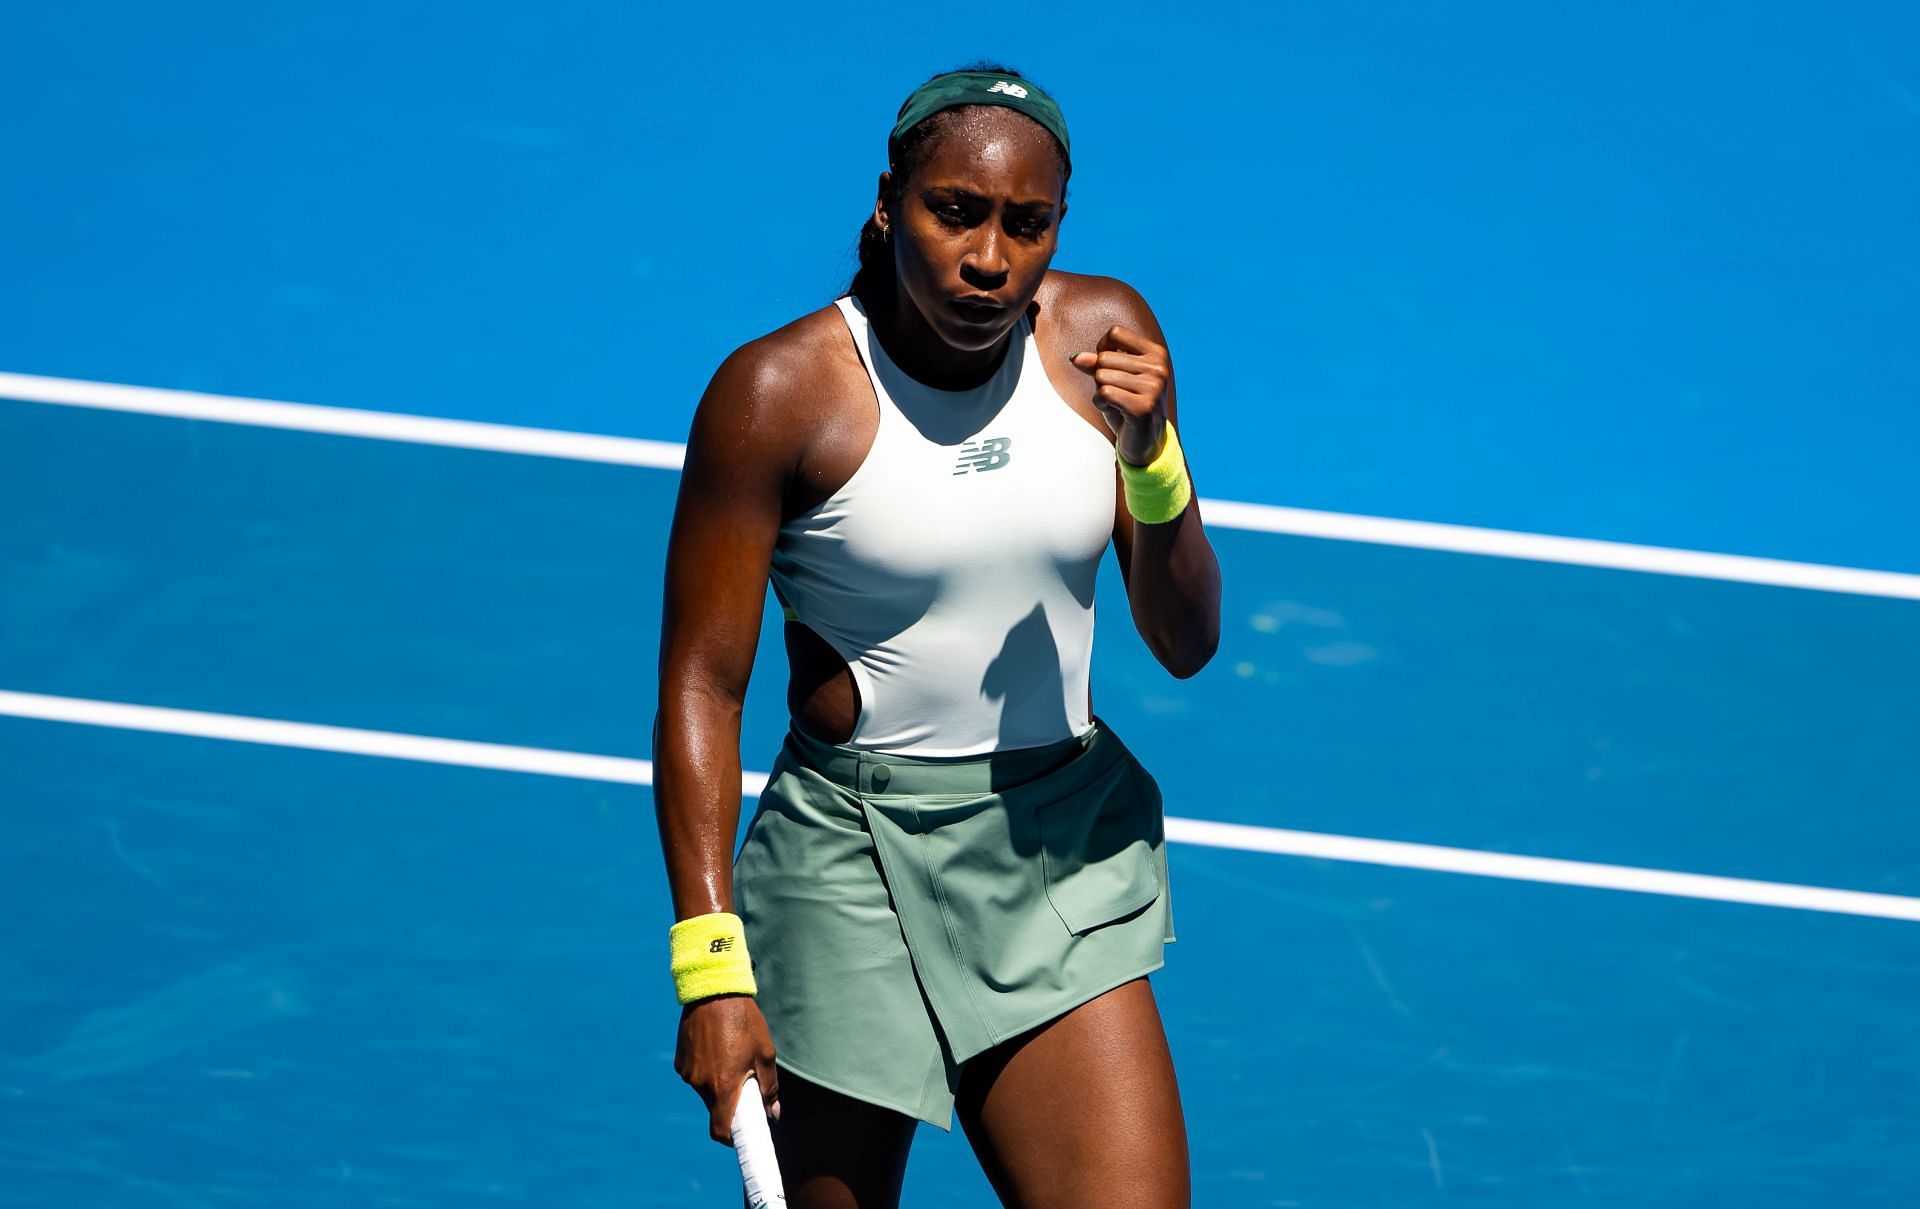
(710, 957)
(1160, 490)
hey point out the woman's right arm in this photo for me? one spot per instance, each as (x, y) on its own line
(739, 461)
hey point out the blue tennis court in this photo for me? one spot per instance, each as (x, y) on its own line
(1558, 435)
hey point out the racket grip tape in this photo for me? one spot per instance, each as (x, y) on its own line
(753, 1146)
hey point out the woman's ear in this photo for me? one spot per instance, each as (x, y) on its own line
(883, 194)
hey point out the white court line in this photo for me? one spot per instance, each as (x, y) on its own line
(345, 421)
(1187, 831)
(1226, 514)
(1541, 869)
(1576, 551)
(350, 740)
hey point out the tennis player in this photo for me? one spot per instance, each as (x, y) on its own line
(955, 886)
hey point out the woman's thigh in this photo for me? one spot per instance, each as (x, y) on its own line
(1082, 1110)
(837, 1152)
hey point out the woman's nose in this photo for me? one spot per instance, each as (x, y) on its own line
(988, 255)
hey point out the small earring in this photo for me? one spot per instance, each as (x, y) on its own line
(885, 231)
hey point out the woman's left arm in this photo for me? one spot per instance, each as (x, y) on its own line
(1172, 576)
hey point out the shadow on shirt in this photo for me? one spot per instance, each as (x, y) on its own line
(1025, 679)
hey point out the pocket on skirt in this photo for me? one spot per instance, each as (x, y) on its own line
(1097, 849)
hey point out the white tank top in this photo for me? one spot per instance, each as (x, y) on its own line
(954, 571)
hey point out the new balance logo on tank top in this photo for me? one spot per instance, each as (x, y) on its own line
(990, 454)
(954, 572)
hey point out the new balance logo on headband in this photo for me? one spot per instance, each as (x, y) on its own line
(990, 454)
(1010, 88)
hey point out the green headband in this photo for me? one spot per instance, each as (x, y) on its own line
(980, 88)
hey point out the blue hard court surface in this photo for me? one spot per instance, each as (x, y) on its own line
(1632, 271)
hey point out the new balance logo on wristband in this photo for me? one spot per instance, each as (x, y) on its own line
(990, 454)
(720, 944)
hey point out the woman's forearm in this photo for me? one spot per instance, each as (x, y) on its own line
(1173, 586)
(697, 797)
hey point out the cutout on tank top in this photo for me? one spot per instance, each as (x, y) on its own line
(816, 674)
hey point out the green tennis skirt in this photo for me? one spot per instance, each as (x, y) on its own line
(906, 914)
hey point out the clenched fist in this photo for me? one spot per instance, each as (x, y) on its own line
(1130, 374)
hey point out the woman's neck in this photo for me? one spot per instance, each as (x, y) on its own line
(920, 352)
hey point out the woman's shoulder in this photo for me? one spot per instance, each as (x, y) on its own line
(792, 355)
(790, 373)
(1080, 307)
(773, 398)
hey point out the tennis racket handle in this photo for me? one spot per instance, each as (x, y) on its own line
(753, 1146)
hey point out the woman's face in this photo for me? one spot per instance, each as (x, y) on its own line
(974, 228)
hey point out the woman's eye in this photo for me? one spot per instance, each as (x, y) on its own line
(950, 214)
